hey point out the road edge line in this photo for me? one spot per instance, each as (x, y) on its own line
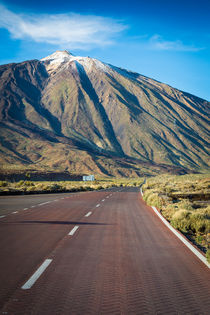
(187, 243)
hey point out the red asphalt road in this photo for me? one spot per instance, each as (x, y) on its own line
(121, 260)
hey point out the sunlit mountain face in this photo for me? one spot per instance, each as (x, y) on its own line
(79, 114)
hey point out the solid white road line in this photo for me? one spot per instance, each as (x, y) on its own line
(73, 230)
(98, 205)
(192, 248)
(2, 216)
(36, 275)
(88, 214)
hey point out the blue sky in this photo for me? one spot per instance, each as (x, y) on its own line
(163, 39)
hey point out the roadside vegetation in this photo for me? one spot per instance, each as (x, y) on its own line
(185, 202)
(27, 186)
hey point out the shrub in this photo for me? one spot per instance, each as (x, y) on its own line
(3, 183)
(198, 223)
(28, 183)
(169, 211)
(181, 214)
(208, 255)
(186, 204)
(39, 186)
(56, 187)
(20, 183)
(181, 220)
(88, 188)
(80, 188)
(47, 187)
(200, 239)
(30, 188)
(182, 225)
(73, 189)
(153, 199)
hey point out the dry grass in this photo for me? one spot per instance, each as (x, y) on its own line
(22, 186)
(185, 202)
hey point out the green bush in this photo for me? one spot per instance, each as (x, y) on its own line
(199, 239)
(208, 255)
(56, 187)
(28, 183)
(3, 183)
(182, 225)
(198, 223)
(46, 187)
(20, 183)
(181, 220)
(153, 199)
(181, 214)
(30, 188)
(186, 204)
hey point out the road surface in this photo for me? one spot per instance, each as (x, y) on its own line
(102, 252)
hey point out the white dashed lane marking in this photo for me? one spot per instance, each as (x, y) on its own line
(44, 203)
(73, 230)
(25, 209)
(36, 275)
(14, 212)
(98, 205)
(88, 214)
(2, 216)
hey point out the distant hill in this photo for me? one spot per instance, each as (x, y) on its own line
(78, 114)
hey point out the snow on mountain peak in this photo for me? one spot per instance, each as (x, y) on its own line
(58, 58)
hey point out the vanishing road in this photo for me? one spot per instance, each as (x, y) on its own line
(102, 252)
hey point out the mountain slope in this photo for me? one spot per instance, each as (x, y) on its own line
(79, 114)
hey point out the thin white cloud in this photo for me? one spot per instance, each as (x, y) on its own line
(70, 30)
(158, 43)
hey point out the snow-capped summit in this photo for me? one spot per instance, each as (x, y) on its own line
(63, 58)
(59, 57)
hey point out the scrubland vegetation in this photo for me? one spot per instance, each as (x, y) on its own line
(26, 186)
(185, 202)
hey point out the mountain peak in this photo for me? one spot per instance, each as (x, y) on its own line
(58, 56)
(54, 60)
(63, 57)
